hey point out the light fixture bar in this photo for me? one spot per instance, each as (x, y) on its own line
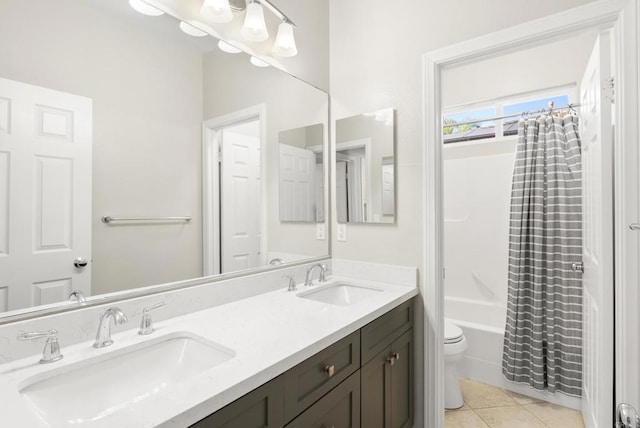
(276, 11)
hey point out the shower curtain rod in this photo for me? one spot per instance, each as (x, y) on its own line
(522, 113)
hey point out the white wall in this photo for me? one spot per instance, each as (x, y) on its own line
(376, 54)
(146, 91)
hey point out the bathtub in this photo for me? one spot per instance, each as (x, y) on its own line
(482, 323)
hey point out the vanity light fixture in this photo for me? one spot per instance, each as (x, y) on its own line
(254, 28)
(217, 10)
(191, 30)
(145, 8)
(258, 62)
(228, 48)
(285, 44)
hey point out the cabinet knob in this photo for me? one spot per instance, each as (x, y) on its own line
(330, 370)
(396, 356)
(391, 360)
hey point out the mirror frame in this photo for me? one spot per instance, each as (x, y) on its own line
(33, 312)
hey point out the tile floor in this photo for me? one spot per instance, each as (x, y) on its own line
(486, 406)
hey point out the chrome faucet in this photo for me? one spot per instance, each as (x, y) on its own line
(51, 351)
(309, 281)
(103, 337)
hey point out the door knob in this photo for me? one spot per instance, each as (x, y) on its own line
(80, 262)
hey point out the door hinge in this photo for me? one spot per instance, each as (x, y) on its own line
(608, 89)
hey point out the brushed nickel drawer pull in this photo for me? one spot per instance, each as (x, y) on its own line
(396, 356)
(330, 370)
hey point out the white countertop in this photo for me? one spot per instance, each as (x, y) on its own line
(269, 333)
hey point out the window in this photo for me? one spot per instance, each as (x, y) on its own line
(480, 123)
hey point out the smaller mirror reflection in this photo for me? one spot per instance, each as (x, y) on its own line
(301, 174)
(365, 168)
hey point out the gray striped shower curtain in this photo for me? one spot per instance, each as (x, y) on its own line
(543, 335)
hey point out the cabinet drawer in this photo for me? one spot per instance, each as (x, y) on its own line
(338, 409)
(308, 381)
(379, 334)
(261, 408)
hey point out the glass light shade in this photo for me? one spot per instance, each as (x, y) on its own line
(285, 44)
(145, 8)
(254, 28)
(191, 30)
(226, 47)
(258, 62)
(217, 10)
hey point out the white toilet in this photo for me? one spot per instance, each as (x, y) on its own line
(454, 347)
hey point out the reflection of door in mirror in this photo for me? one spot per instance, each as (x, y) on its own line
(353, 184)
(234, 238)
(388, 186)
(301, 174)
(45, 194)
(297, 184)
(240, 244)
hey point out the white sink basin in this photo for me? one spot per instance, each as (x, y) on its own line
(87, 392)
(340, 293)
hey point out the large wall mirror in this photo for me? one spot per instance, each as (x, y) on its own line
(105, 112)
(365, 168)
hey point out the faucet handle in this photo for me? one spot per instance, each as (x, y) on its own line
(146, 323)
(51, 351)
(292, 282)
(77, 296)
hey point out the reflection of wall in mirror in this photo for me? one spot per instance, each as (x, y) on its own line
(381, 134)
(147, 98)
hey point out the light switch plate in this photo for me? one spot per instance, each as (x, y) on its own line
(342, 232)
(321, 232)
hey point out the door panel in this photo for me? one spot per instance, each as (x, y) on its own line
(597, 160)
(45, 194)
(297, 184)
(241, 210)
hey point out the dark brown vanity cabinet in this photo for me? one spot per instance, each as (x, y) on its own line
(387, 377)
(261, 408)
(362, 381)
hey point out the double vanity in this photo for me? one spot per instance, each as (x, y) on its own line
(334, 349)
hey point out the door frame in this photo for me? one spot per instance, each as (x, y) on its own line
(211, 235)
(623, 17)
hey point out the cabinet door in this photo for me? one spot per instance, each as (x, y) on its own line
(261, 408)
(376, 391)
(402, 381)
(340, 408)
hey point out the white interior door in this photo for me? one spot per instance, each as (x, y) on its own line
(297, 184)
(341, 191)
(597, 161)
(241, 201)
(45, 194)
